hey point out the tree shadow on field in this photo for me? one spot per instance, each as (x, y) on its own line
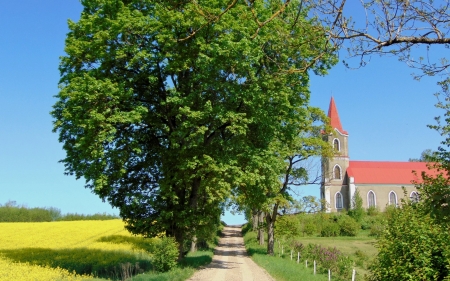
(100, 263)
(196, 260)
(139, 243)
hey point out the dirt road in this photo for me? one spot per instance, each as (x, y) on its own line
(230, 261)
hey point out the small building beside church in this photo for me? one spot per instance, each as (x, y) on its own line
(379, 182)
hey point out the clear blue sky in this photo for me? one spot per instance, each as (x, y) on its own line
(384, 110)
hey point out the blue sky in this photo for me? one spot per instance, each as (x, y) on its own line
(384, 110)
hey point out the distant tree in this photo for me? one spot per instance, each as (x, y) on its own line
(357, 210)
(163, 103)
(425, 156)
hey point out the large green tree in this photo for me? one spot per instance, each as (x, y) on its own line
(158, 101)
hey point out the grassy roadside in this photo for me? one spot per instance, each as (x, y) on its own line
(361, 250)
(186, 267)
(280, 268)
(183, 271)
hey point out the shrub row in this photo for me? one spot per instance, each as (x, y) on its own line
(11, 212)
(332, 225)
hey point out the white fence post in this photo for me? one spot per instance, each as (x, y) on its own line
(329, 275)
(314, 267)
(298, 257)
(353, 274)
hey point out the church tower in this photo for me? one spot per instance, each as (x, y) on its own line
(334, 187)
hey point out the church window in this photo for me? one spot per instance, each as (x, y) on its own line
(371, 199)
(414, 196)
(336, 145)
(392, 198)
(339, 204)
(337, 172)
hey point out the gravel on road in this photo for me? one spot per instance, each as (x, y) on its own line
(231, 262)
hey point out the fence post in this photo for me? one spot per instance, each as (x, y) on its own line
(314, 267)
(291, 254)
(353, 274)
(329, 275)
(298, 257)
(306, 262)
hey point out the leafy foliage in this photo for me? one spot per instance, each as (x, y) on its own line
(413, 247)
(165, 254)
(357, 212)
(348, 226)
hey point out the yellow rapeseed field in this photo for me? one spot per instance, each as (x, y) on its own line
(70, 250)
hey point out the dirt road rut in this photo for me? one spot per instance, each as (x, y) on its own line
(230, 261)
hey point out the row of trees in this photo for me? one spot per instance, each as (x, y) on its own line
(13, 212)
(169, 108)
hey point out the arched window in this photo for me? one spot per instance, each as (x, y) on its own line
(337, 172)
(336, 145)
(392, 198)
(339, 204)
(414, 197)
(371, 200)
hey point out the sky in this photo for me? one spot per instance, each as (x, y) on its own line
(384, 110)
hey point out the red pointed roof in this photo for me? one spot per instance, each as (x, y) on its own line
(334, 118)
(371, 172)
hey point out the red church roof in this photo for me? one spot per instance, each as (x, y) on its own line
(334, 117)
(371, 172)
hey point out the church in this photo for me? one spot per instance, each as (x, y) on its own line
(379, 182)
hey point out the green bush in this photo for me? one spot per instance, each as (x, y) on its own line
(165, 254)
(330, 229)
(357, 212)
(287, 226)
(309, 228)
(348, 226)
(377, 229)
(373, 211)
(414, 247)
(361, 258)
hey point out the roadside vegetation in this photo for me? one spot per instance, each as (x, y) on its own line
(340, 242)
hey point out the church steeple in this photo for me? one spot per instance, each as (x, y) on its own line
(334, 117)
(334, 188)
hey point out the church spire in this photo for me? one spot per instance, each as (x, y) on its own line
(334, 117)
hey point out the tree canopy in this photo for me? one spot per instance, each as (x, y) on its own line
(162, 104)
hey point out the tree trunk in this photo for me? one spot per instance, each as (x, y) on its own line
(261, 236)
(261, 227)
(194, 244)
(270, 236)
(179, 238)
(255, 221)
(270, 220)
